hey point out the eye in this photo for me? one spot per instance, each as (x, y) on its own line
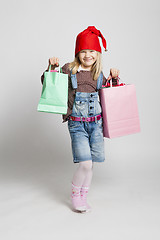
(92, 51)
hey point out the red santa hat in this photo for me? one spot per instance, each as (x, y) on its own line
(88, 39)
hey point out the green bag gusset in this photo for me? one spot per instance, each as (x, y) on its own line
(54, 96)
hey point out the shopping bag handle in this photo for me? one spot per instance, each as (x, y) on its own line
(59, 72)
(59, 69)
(111, 81)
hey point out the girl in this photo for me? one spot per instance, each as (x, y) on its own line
(84, 110)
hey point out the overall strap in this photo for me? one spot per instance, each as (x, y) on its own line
(100, 81)
(73, 80)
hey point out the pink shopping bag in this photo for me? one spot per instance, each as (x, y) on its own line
(119, 111)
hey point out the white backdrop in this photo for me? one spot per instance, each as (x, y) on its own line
(35, 147)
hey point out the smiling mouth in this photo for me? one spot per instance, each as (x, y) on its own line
(87, 60)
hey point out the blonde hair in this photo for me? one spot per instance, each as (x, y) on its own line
(96, 67)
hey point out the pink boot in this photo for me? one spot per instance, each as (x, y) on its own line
(76, 200)
(84, 192)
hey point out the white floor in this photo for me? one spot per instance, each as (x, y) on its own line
(34, 202)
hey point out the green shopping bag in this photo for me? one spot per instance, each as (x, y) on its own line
(54, 96)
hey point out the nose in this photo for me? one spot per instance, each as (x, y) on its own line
(87, 54)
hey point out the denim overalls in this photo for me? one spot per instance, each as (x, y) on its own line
(86, 137)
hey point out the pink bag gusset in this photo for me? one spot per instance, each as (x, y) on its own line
(119, 111)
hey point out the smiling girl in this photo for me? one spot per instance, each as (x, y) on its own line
(84, 111)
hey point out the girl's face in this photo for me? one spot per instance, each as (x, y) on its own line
(87, 58)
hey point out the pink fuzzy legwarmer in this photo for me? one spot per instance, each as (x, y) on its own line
(76, 200)
(83, 193)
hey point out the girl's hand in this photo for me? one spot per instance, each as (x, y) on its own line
(114, 73)
(54, 62)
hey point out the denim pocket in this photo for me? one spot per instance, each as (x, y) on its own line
(73, 124)
(80, 108)
(80, 104)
